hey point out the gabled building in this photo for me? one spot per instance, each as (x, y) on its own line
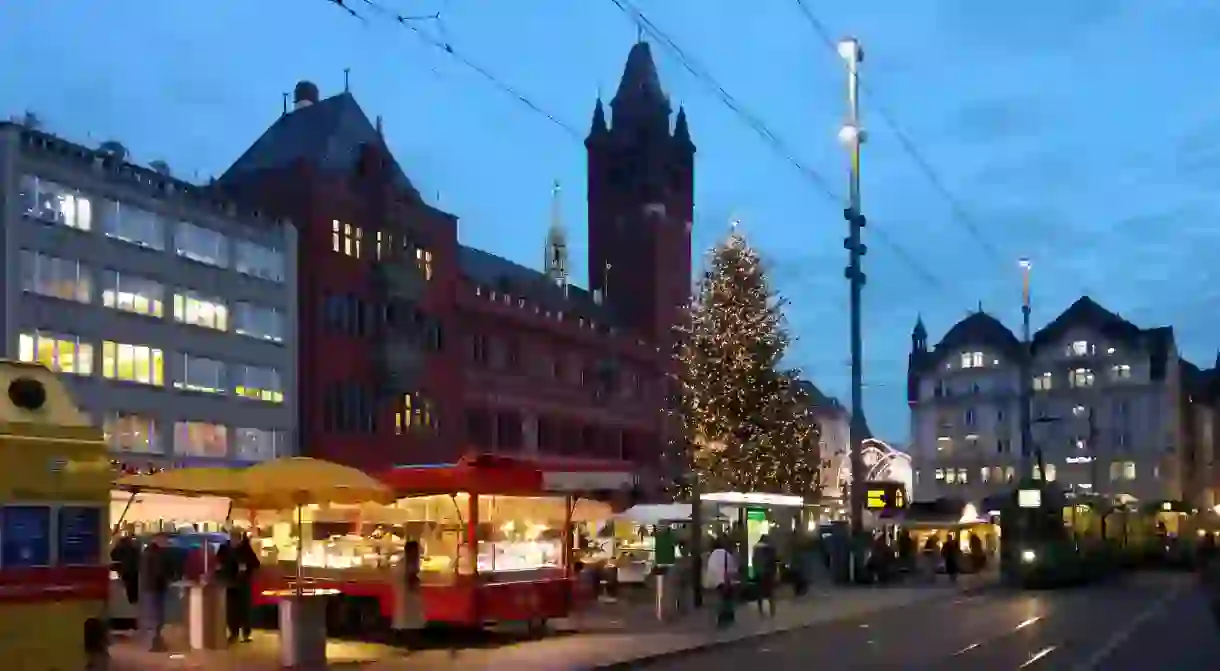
(416, 349)
(1107, 407)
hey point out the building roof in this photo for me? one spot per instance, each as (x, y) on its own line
(329, 135)
(640, 82)
(499, 274)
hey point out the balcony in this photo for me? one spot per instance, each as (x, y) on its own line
(400, 280)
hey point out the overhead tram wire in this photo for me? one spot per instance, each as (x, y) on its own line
(769, 137)
(409, 22)
(908, 146)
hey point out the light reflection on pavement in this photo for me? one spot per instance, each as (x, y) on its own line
(1145, 622)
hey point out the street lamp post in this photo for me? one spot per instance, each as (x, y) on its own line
(1026, 383)
(852, 135)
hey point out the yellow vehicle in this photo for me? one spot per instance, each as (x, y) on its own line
(54, 522)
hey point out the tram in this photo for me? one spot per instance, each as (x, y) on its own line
(54, 517)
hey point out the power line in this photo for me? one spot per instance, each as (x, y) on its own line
(908, 146)
(409, 22)
(756, 124)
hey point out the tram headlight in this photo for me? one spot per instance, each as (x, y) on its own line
(1029, 556)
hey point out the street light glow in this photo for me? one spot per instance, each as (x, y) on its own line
(849, 49)
(1025, 263)
(850, 134)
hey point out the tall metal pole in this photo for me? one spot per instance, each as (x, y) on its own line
(853, 136)
(1026, 384)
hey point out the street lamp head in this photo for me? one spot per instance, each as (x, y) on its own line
(1025, 263)
(850, 135)
(849, 49)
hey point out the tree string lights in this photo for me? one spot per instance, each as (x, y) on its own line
(747, 424)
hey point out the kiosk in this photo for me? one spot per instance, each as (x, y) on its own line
(54, 513)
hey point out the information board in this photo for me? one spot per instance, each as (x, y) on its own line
(25, 536)
(879, 496)
(80, 535)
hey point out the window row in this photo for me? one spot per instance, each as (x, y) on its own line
(602, 376)
(145, 364)
(1118, 470)
(352, 408)
(505, 429)
(1081, 377)
(136, 434)
(70, 280)
(54, 203)
(348, 240)
(355, 316)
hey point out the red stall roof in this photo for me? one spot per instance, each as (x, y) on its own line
(495, 474)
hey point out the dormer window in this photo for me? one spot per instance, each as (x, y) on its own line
(1043, 382)
(1081, 348)
(972, 359)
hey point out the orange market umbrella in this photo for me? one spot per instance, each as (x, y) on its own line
(222, 482)
(294, 482)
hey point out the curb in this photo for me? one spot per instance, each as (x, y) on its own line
(654, 658)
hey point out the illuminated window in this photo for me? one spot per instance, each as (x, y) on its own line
(1081, 377)
(134, 225)
(260, 444)
(416, 412)
(133, 363)
(259, 261)
(423, 258)
(345, 238)
(1051, 472)
(196, 373)
(1043, 382)
(257, 321)
(52, 276)
(1081, 348)
(208, 312)
(1121, 371)
(132, 433)
(260, 383)
(201, 439)
(972, 359)
(132, 293)
(950, 476)
(53, 203)
(940, 474)
(60, 353)
(201, 244)
(961, 476)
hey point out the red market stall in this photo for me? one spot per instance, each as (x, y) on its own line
(497, 534)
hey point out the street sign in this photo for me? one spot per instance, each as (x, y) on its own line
(881, 496)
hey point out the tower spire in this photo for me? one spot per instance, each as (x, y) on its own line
(556, 264)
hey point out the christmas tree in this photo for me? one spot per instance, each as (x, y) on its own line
(746, 421)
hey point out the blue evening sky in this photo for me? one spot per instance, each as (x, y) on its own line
(1084, 134)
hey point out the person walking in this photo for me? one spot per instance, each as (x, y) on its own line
(765, 563)
(238, 562)
(719, 574)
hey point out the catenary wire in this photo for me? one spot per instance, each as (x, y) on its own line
(769, 137)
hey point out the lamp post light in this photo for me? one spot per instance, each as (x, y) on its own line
(853, 136)
(1026, 371)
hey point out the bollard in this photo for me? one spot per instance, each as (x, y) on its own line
(97, 645)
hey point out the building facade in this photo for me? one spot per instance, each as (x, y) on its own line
(1107, 412)
(415, 349)
(171, 313)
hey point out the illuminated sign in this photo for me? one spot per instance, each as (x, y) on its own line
(885, 496)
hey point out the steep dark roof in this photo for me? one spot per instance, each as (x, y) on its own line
(328, 135)
(1085, 313)
(500, 274)
(979, 328)
(820, 402)
(640, 80)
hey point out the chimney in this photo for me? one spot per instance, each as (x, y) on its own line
(304, 95)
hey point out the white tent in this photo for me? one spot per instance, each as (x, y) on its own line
(656, 513)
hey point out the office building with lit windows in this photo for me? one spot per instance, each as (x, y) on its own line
(172, 313)
(1113, 411)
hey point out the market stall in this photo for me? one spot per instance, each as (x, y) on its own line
(497, 541)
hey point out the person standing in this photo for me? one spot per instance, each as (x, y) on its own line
(765, 562)
(238, 563)
(952, 554)
(125, 561)
(719, 573)
(156, 574)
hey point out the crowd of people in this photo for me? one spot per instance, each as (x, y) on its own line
(149, 569)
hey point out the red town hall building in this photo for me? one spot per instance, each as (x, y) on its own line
(415, 349)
